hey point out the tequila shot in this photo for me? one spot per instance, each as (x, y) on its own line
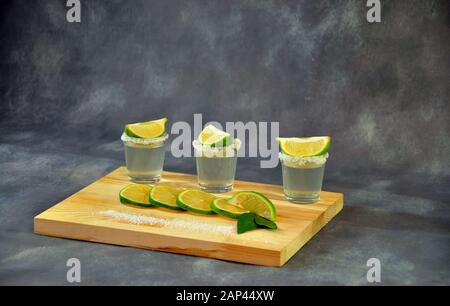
(303, 177)
(216, 167)
(144, 157)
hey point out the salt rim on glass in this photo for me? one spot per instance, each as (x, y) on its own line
(303, 162)
(144, 141)
(207, 151)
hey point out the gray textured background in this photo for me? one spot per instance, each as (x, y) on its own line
(380, 90)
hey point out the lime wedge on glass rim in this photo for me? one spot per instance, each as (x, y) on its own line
(304, 147)
(148, 129)
(223, 208)
(256, 203)
(165, 196)
(196, 201)
(213, 137)
(136, 194)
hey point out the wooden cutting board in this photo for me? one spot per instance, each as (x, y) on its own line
(95, 214)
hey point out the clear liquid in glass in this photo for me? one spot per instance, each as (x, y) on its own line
(302, 185)
(144, 162)
(216, 174)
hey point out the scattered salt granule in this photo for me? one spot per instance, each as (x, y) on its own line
(183, 224)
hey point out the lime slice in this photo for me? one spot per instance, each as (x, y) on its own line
(222, 207)
(137, 194)
(196, 201)
(165, 196)
(212, 136)
(149, 129)
(304, 147)
(255, 203)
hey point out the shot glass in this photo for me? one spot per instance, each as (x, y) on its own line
(144, 157)
(216, 167)
(302, 177)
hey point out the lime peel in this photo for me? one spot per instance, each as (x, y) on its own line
(148, 129)
(136, 194)
(255, 202)
(196, 201)
(165, 196)
(304, 147)
(222, 207)
(213, 137)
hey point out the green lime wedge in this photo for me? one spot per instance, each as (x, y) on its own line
(256, 203)
(137, 194)
(304, 147)
(222, 207)
(165, 196)
(149, 129)
(213, 137)
(196, 201)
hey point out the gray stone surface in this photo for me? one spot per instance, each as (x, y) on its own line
(317, 67)
(403, 221)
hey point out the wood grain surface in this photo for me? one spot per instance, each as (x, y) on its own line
(92, 215)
